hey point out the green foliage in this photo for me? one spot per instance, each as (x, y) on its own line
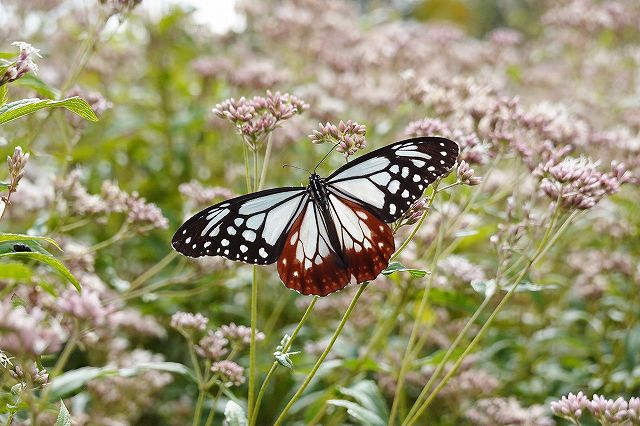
(12, 110)
(64, 418)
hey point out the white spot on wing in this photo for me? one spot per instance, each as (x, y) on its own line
(394, 186)
(249, 235)
(254, 222)
(381, 178)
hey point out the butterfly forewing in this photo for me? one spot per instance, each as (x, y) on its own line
(250, 228)
(388, 180)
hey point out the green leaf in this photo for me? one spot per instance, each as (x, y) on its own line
(169, 367)
(64, 418)
(26, 238)
(234, 415)
(70, 382)
(17, 109)
(359, 413)
(49, 260)
(3, 93)
(367, 394)
(399, 267)
(485, 288)
(41, 88)
(15, 271)
(4, 186)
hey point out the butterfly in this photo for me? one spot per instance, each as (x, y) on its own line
(331, 233)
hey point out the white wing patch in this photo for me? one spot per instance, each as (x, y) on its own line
(312, 242)
(362, 189)
(250, 228)
(373, 165)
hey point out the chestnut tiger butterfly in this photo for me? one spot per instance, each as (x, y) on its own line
(331, 233)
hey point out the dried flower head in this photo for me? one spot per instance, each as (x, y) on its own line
(571, 406)
(238, 335)
(212, 346)
(22, 65)
(229, 373)
(17, 163)
(189, 324)
(349, 137)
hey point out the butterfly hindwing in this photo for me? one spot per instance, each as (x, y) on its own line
(250, 228)
(388, 180)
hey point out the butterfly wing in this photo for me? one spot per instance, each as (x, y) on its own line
(250, 228)
(388, 180)
(310, 264)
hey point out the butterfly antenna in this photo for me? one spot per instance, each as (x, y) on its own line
(295, 167)
(325, 157)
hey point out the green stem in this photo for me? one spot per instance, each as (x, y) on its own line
(265, 163)
(153, 270)
(449, 352)
(542, 248)
(407, 359)
(274, 366)
(198, 411)
(212, 413)
(252, 346)
(318, 363)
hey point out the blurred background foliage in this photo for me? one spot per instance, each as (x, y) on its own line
(571, 65)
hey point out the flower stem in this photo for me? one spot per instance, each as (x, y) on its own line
(542, 249)
(198, 411)
(252, 346)
(318, 363)
(274, 366)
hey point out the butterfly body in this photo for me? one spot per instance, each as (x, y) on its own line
(331, 233)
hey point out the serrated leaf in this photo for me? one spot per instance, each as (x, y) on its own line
(64, 418)
(399, 267)
(49, 260)
(17, 109)
(22, 238)
(367, 394)
(234, 415)
(359, 413)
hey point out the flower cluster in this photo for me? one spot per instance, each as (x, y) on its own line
(201, 195)
(466, 175)
(34, 376)
(84, 306)
(577, 182)
(112, 199)
(239, 335)
(228, 372)
(189, 324)
(507, 411)
(28, 332)
(257, 117)
(607, 411)
(212, 346)
(348, 137)
(17, 163)
(22, 65)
